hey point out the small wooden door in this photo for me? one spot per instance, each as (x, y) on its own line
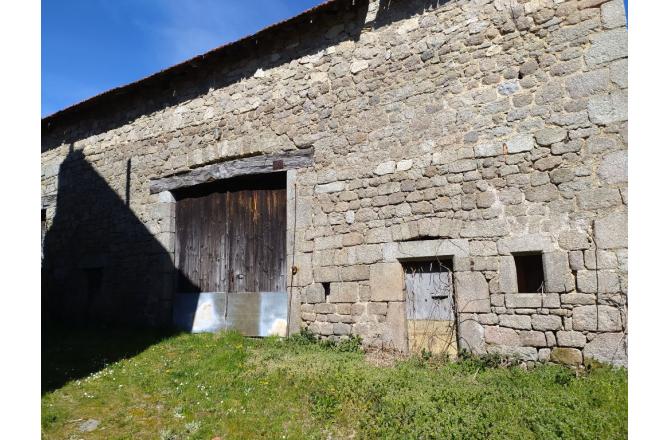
(430, 306)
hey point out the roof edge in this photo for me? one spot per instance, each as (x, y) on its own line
(170, 72)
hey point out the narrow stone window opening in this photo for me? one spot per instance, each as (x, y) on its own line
(327, 290)
(421, 237)
(530, 276)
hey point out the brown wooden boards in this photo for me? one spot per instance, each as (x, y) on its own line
(231, 236)
(201, 248)
(257, 228)
(254, 165)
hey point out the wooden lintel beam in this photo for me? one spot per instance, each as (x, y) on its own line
(233, 168)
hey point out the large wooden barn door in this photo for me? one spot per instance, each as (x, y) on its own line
(231, 236)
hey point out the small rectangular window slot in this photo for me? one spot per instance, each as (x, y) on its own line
(530, 275)
(422, 237)
(327, 290)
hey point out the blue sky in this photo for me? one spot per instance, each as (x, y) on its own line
(89, 46)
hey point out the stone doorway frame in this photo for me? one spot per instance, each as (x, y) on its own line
(387, 282)
(163, 223)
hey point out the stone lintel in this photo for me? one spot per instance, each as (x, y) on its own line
(425, 249)
(525, 243)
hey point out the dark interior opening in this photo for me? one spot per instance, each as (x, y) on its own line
(529, 268)
(327, 289)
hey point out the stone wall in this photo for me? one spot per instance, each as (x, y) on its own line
(463, 129)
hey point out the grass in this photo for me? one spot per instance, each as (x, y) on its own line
(203, 386)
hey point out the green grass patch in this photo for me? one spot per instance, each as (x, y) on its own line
(202, 386)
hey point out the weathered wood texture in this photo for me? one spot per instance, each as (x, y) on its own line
(231, 236)
(429, 290)
(233, 168)
(430, 306)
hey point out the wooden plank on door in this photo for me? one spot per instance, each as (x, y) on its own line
(430, 306)
(428, 291)
(201, 236)
(257, 231)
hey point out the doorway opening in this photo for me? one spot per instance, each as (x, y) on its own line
(231, 255)
(430, 311)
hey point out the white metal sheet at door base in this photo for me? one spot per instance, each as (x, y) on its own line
(250, 313)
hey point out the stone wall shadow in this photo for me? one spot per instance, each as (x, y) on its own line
(390, 11)
(107, 283)
(102, 271)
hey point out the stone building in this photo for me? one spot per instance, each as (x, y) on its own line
(479, 146)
